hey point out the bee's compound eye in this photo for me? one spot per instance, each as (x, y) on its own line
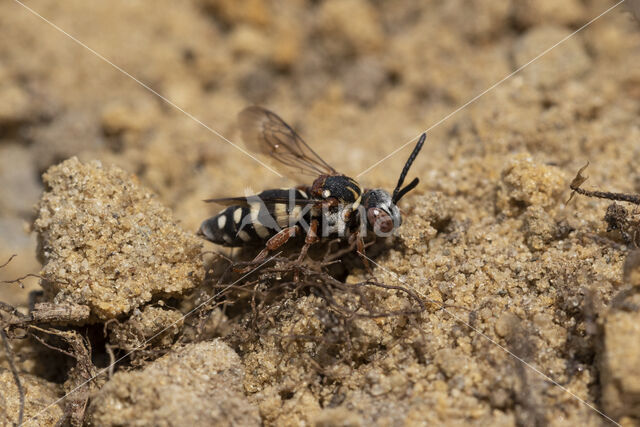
(379, 220)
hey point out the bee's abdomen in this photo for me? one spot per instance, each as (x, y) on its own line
(226, 228)
(253, 223)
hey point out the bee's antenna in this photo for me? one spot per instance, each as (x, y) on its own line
(399, 193)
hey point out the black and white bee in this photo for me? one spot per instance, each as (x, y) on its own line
(333, 206)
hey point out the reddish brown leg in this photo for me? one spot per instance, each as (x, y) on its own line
(310, 239)
(360, 250)
(273, 243)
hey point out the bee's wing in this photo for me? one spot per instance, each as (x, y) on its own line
(244, 201)
(264, 132)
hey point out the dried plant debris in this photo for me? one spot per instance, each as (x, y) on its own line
(81, 377)
(59, 313)
(198, 385)
(276, 285)
(618, 218)
(107, 243)
(315, 325)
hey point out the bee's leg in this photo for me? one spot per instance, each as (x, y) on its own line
(272, 244)
(310, 239)
(276, 241)
(360, 249)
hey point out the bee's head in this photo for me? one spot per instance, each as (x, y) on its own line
(381, 207)
(382, 213)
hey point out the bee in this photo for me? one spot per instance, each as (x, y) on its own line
(334, 205)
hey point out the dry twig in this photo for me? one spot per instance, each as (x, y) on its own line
(580, 179)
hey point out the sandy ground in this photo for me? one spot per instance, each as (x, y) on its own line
(545, 328)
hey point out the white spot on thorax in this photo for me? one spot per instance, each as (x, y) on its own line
(222, 220)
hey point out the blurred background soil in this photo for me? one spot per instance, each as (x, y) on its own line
(487, 229)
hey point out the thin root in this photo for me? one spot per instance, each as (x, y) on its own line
(16, 376)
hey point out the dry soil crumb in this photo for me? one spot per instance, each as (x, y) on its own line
(525, 183)
(157, 325)
(197, 385)
(106, 242)
(38, 395)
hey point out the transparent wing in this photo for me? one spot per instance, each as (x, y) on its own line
(264, 132)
